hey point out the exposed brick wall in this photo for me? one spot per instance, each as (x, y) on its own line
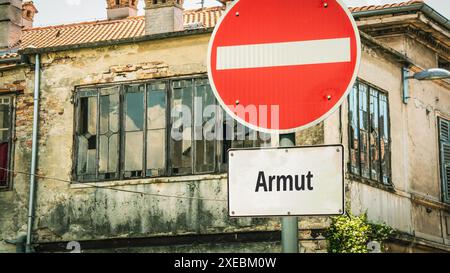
(24, 120)
(14, 86)
(142, 71)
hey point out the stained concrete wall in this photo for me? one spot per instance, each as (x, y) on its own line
(411, 48)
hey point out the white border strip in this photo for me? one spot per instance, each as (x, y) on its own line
(284, 54)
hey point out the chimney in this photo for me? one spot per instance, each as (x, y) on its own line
(162, 16)
(121, 9)
(28, 13)
(10, 23)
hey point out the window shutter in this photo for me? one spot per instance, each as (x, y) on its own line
(445, 158)
(445, 130)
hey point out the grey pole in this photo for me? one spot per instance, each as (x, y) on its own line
(289, 225)
(37, 76)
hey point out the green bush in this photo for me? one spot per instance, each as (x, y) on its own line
(352, 234)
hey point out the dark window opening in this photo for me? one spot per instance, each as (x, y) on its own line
(6, 124)
(125, 131)
(369, 135)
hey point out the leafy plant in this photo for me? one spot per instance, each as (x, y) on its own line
(352, 234)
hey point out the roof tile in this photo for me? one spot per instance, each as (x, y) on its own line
(96, 31)
(8, 56)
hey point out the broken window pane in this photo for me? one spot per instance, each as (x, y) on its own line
(87, 138)
(384, 139)
(91, 123)
(354, 131)
(364, 130)
(181, 149)
(122, 131)
(374, 137)
(251, 138)
(205, 150)
(237, 136)
(134, 131)
(369, 133)
(156, 129)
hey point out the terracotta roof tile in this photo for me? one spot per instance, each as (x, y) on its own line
(208, 16)
(8, 56)
(83, 32)
(386, 6)
(89, 32)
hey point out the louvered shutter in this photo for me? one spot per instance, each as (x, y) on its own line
(444, 130)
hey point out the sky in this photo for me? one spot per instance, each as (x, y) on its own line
(54, 12)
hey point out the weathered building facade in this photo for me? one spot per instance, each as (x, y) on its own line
(109, 176)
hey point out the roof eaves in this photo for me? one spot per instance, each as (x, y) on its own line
(10, 56)
(419, 6)
(399, 57)
(144, 38)
(387, 10)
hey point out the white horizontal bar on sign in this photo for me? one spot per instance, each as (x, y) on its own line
(284, 54)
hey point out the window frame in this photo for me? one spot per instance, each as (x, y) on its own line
(11, 146)
(218, 144)
(379, 91)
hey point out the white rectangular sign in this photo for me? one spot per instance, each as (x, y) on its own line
(298, 181)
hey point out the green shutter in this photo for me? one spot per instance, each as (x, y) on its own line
(444, 130)
(444, 127)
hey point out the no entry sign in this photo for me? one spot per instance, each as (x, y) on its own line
(291, 61)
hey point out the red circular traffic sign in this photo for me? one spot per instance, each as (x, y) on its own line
(297, 58)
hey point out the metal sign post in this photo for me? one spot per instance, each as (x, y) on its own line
(289, 225)
(313, 69)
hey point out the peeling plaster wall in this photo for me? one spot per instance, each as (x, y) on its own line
(17, 83)
(67, 212)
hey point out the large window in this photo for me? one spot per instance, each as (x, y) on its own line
(154, 129)
(369, 136)
(444, 139)
(6, 124)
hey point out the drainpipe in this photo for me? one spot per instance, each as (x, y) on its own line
(37, 76)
